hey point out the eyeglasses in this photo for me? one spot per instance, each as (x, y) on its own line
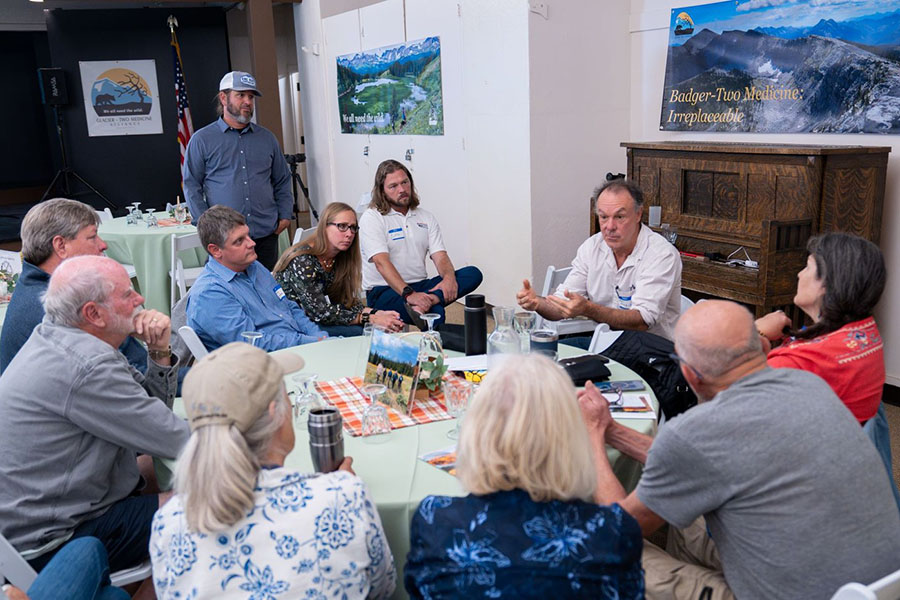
(681, 361)
(342, 227)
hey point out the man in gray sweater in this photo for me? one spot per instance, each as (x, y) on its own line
(75, 415)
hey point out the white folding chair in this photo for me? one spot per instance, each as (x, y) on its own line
(181, 278)
(574, 325)
(886, 588)
(105, 217)
(19, 573)
(301, 233)
(192, 341)
(603, 338)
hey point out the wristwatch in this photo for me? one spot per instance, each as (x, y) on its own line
(407, 291)
(364, 317)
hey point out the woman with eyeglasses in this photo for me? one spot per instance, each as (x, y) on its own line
(322, 274)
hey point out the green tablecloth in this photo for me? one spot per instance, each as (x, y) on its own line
(150, 251)
(391, 469)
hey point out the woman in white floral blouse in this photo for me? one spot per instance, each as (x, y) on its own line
(323, 274)
(241, 524)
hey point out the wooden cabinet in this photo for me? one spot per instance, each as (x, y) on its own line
(768, 198)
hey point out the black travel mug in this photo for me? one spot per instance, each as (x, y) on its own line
(326, 438)
(476, 325)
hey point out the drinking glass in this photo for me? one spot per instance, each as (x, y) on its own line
(456, 397)
(375, 420)
(430, 318)
(545, 341)
(670, 232)
(137, 211)
(524, 323)
(180, 214)
(251, 337)
(151, 218)
(306, 398)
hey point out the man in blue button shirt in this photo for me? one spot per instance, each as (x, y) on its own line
(239, 164)
(235, 293)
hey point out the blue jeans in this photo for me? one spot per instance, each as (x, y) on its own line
(382, 297)
(342, 330)
(124, 530)
(878, 431)
(79, 571)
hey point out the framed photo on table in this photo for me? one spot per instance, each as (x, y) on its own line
(393, 361)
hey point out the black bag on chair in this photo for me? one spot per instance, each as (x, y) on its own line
(648, 355)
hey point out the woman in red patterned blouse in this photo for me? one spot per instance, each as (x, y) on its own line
(838, 290)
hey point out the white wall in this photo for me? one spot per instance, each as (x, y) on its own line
(649, 37)
(480, 166)
(579, 113)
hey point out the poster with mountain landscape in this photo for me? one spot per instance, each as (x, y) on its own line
(784, 66)
(121, 97)
(392, 90)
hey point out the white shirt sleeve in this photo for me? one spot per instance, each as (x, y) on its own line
(654, 282)
(372, 234)
(435, 239)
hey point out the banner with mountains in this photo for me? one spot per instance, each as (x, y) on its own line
(392, 90)
(780, 66)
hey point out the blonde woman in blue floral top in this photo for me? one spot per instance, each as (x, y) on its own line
(323, 275)
(244, 526)
(529, 527)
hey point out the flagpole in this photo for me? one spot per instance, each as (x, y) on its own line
(185, 124)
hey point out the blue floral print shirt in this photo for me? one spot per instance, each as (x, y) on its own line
(308, 536)
(506, 545)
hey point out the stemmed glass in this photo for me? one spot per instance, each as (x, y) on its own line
(456, 397)
(430, 318)
(137, 211)
(251, 337)
(180, 214)
(151, 219)
(524, 323)
(306, 398)
(375, 420)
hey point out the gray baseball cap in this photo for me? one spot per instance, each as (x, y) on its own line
(239, 81)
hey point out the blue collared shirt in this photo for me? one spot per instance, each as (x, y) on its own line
(223, 303)
(241, 168)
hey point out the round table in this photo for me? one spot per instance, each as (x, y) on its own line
(150, 251)
(391, 468)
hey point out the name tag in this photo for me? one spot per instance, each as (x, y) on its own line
(396, 234)
(278, 292)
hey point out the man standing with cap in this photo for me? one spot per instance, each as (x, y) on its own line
(235, 162)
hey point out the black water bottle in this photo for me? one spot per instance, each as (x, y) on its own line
(476, 325)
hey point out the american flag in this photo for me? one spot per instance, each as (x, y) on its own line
(185, 126)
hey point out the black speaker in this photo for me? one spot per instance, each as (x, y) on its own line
(53, 87)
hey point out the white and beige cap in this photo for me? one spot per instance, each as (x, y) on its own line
(235, 384)
(239, 81)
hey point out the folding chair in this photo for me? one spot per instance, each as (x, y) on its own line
(181, 277)
(566, 326)
(19, 573)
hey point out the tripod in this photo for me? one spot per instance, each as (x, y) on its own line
(293, 160)
(65, 172)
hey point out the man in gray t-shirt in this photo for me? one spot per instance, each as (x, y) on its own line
(792, 491)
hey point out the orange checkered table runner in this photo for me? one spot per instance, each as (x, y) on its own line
(346, 396)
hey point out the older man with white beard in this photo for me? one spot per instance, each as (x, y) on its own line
(75, 415)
